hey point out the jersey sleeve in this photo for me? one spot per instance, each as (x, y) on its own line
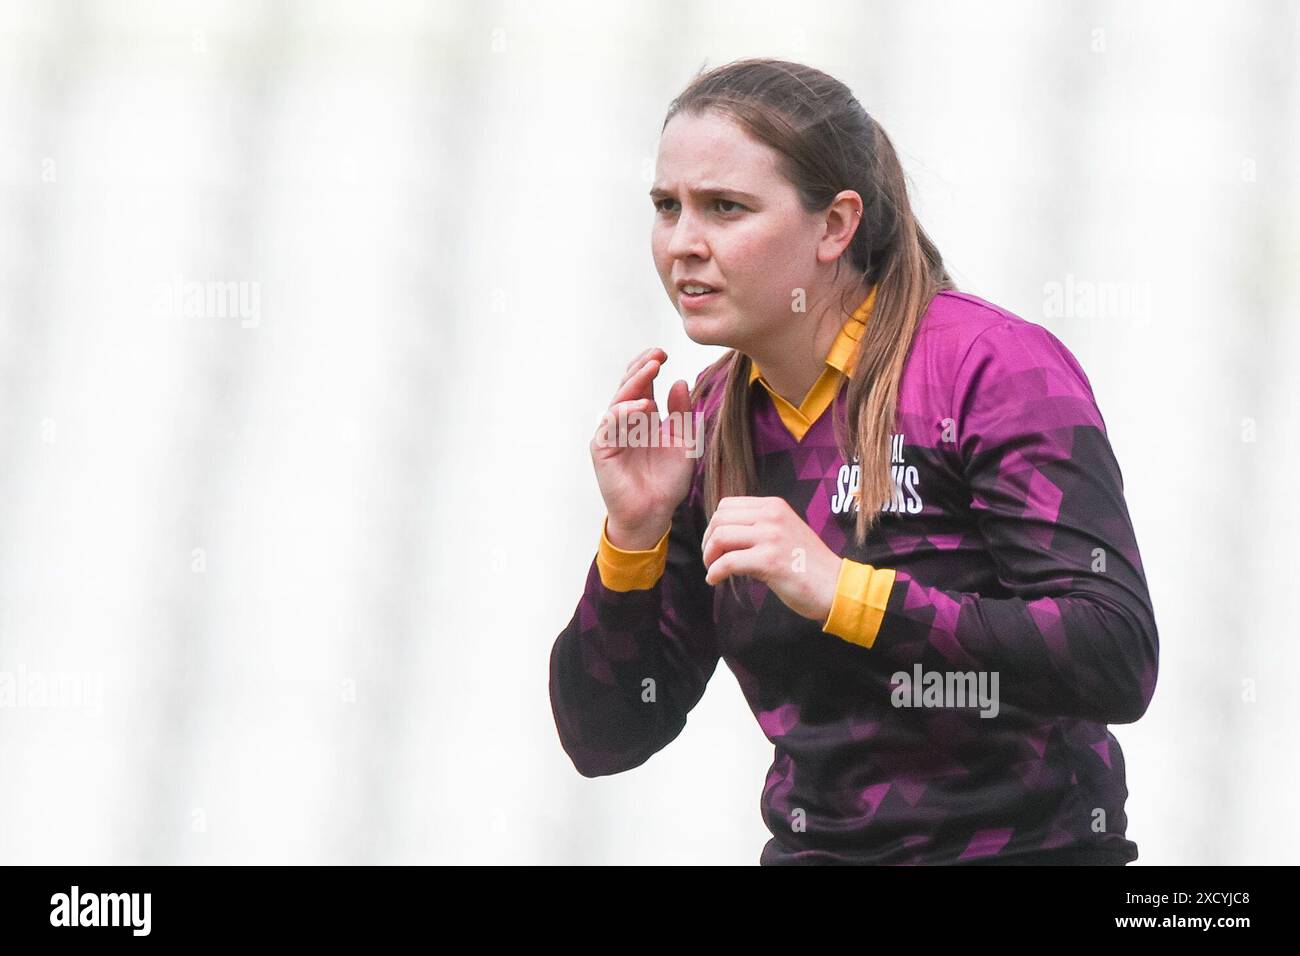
(639, 650)
(1077, 635)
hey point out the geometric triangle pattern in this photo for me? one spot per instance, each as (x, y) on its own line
(1016, 627)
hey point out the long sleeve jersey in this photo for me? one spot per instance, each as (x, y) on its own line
(953, 706)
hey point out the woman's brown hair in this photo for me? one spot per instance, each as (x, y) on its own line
(827, 143)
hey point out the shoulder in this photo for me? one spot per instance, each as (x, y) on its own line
(962, 339)
(954, 320)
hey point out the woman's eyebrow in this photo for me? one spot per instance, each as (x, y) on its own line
(704, 189)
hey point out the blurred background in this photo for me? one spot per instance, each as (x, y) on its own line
(282, 561)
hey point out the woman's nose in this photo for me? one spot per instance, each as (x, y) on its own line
(688, 238)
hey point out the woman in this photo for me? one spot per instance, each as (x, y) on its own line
(906, 535)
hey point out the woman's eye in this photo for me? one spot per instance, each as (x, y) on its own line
(662, 205)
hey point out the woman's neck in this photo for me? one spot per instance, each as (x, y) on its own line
(792, 364)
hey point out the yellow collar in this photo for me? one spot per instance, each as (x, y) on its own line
(840, 362)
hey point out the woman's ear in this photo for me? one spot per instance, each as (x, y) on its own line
(842, 219)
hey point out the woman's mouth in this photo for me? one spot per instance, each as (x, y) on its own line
(697, 296)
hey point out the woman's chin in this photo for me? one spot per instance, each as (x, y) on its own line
(707, 329)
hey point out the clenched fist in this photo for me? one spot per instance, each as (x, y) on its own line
(765, 539)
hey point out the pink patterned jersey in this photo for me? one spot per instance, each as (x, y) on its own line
(954, 707)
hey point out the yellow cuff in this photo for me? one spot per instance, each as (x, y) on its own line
(858, 608)
(630, 570)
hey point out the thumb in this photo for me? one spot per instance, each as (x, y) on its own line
(679, 400)
(679, 396)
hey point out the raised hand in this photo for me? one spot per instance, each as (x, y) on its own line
(642, 483)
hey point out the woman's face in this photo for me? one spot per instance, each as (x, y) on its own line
(725, 216)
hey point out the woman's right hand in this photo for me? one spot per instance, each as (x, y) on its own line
(642, 485)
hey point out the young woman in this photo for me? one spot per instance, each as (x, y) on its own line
(906, 534)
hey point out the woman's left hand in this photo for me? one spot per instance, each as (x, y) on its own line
(764, 539)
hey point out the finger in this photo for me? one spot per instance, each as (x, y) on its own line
(659, 355)
(679, 402)
(639, 384)
(743, 501)
(732, 563)
(607, 428)
(726, 519)
(729, 538)
(754, 508)
(637, 363)
(728, 512)
(643, 354)
(679, 397)
(744, 510)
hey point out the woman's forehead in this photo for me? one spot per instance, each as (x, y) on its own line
(712, 151)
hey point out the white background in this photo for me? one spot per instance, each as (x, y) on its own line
(387, 479)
